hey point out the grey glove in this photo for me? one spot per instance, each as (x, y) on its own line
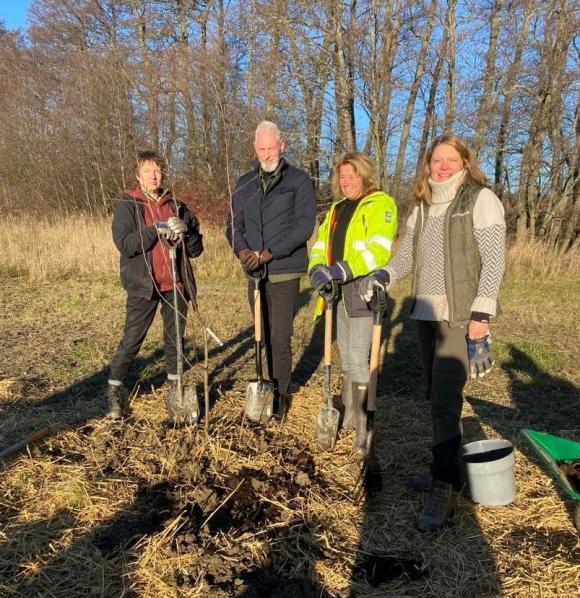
(177, 225)
(480, 356)
(368, 283)
(164, 230)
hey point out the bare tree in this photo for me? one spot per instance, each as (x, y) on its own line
(483, 114)
(410, 107)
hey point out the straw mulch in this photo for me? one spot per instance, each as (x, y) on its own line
(139, 509)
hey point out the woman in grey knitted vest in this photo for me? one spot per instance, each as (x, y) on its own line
(454, 247)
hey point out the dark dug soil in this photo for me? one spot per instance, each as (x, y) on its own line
(571, 469)
(211, 508)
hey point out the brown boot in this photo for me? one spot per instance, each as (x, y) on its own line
(349, 417)
(117, 401)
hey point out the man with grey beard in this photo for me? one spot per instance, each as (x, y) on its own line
(273, 215)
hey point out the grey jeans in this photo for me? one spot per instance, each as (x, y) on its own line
(354, 336)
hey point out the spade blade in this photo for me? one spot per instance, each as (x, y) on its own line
(259, 401)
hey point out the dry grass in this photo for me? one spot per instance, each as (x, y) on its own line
(80, 245)
(43, 251)
(536, 259)
(111, 511)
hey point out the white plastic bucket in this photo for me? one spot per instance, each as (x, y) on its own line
(489, 465)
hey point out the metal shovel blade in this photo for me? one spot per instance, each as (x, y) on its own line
(259, 401)
(183, 409)
(327, 427)
(190, 406)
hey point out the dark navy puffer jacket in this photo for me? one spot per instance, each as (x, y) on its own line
(281, 220)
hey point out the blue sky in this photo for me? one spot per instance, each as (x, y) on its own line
(14, 13)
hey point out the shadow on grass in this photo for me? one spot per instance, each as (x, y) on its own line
(97, 560)
(84, 399)
(393, 557)
(539, 400)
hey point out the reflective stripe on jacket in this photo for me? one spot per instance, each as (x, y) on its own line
(367, 246)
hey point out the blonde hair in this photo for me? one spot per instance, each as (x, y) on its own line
(474, 175)
(363, 166)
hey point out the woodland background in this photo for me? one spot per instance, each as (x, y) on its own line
(90, 82)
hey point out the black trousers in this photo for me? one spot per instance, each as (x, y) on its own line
(138, 319)
(444, 356)
(278, 303)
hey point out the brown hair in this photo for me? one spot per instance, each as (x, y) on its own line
(363, 166)
(474, 175)
(150, 156)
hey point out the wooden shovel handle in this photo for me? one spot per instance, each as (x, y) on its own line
(374, 364)
(328, 336)
(19, 444)
(257, 316)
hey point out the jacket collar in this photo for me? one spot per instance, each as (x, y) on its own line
(138, 194)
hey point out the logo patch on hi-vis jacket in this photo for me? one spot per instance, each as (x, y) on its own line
(388, 216)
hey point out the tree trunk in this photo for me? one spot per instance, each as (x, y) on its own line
(450, 88)
(430, 110)
(509, 87)
(343, 82)
(410, 108)
(483, 114)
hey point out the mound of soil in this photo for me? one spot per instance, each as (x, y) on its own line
(222, 505)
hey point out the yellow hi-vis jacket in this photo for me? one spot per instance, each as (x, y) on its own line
(368, 241)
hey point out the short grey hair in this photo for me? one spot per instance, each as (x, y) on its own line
(267, 126)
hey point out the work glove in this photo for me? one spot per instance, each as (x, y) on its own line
(367, 285)
(164, 231)
(320, 276)
(177, 225)
(250, 259)
(480, 356)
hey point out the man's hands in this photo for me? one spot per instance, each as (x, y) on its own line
(251, 260)
(265, 256)
(368, 284)
(480, 356)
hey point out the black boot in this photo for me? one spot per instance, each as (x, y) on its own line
(281, 405)
(349, 417)
(117, 401)
(437, 507)
(359, 400)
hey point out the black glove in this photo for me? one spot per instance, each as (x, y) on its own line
(480, 356)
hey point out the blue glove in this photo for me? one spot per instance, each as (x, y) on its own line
(368, 283)
(480, 356)
(320, 276)
(338, 272)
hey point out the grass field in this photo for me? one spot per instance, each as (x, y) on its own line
(137, 509)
